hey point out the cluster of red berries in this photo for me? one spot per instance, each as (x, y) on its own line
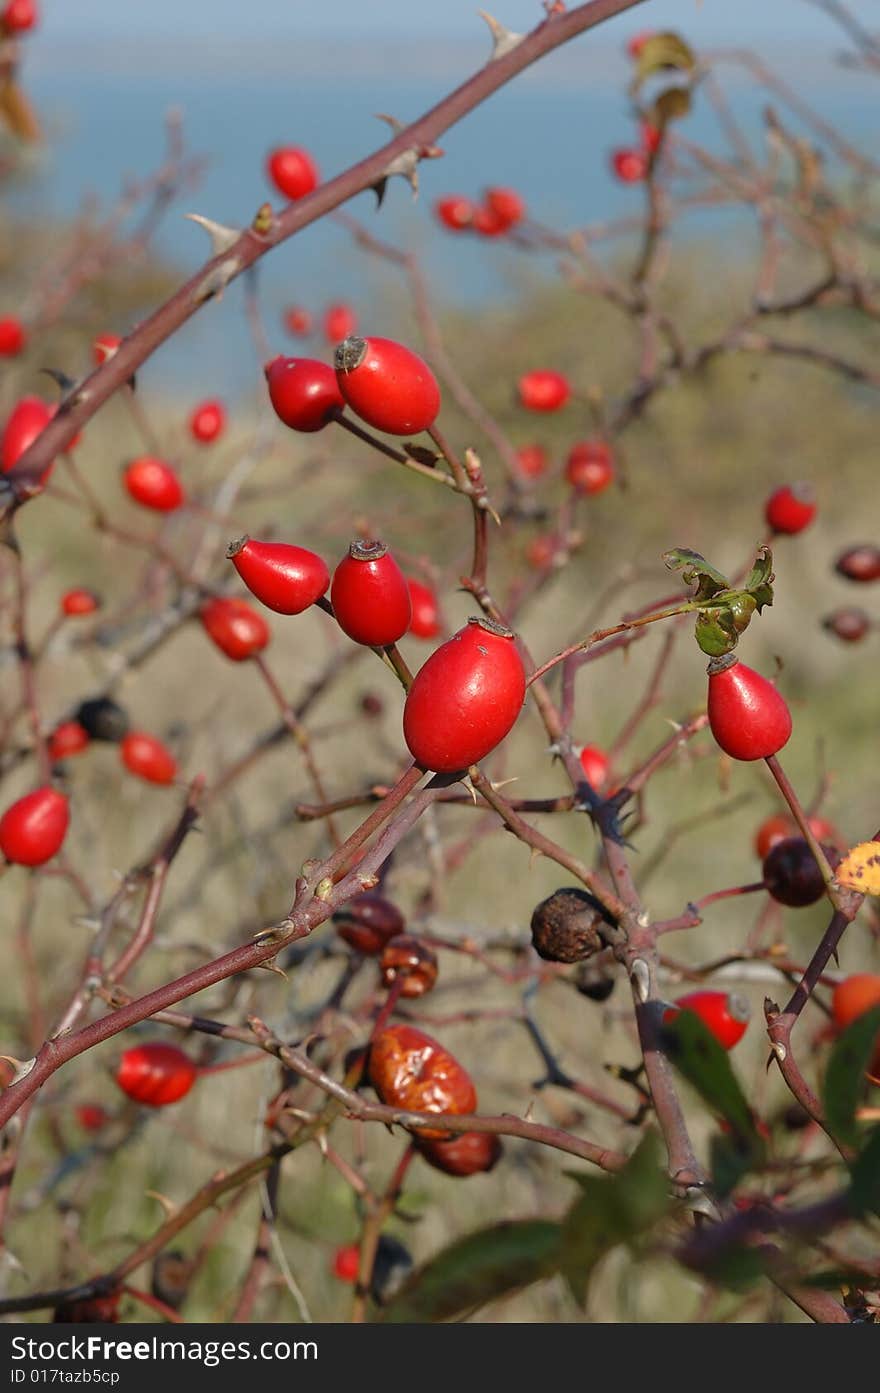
(631, 164)
(338, 322)
(499, 211)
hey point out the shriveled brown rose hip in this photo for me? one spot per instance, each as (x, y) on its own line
(849, 624)
(412, 1071)
(791, 872)
(408, 960)
(567, 926)
(368, 921)
(470, 1153)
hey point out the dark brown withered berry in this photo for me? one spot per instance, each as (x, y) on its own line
(567, 927)
(170, 1278)
(849, 625)
(594, 981)
(102, 719)
(368, 921)
(860, 563)
(791, 872)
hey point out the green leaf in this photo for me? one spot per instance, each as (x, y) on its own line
(695, 571)
(697, 1055)
(844, 1083)
(478, 1268)
(612, 1210)
(865, 1176)
(759, 581)
(716, 631)
(737, 1267)
(664, 50)
(731, 1157)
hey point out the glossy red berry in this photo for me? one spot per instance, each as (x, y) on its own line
(747, 715)
(368, 921)
(79, 601)
(148, 758)
(412, 1071)
(283, 577)
(387, 385)
(19, 16)
(292, 171)
(346, 1262)
(304, 393)
(532, 460)
(12, 336)
(208, 422)
(470, 1153)
(455, 212)
(340, 322)
(104, 347)
(791, 872)
(465, 699)
(235, 627)
(406, 959)
(590, 466)
(791, 508)
(849, 624)
(370, 595)
(67, 739)
(595, 764)
(630, 166)
(852, 998)
(425, 622)
(725, 1014)
(297, 321)
(33, 829)
(154, 484)
(156, 1074)
(861, 563)
(506, 205)
(543, 390)
(29, 418)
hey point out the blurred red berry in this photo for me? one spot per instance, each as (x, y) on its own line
(455, 212)
(543, 389)
(791, 508)
(236, 628)
(595, 764)
(487, 223)
(29, 418)
(635, 45)
(12, 336)
(651, 136)
(18, 16)
(507, 205)
(148, 758)
(533, 460)
(79, 601)
(156, 1074)
(154, 484)
(104, 346)
(340, 321)
(292, 171)
(425, 622)
(590, 466)
(208, 422)
(297, 321)
(346, 1263)
(725, 1014)
(630, 166)
(541, 552)
(67, 739)
(91, 1117)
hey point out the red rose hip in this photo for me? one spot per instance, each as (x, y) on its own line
(791, 872)
(595, 764)
(370, 595)
(285, 578)
(292, 171)
(32, 830)
(148, 758)
(630, 166)
(543, 390)
(465, 699)
(790, 509)
(12, 336)
(346, 1262)
(208, 422)
(470, 1153)
(29, 418)
(387, 385)
(154, 484)
(79, 601)
(506, 205)
(368, 922)
(725, 1014)
(861, 563)
(747, 715)
(455, 212)
(303, 392)
(156, 1074)
(425, 622)
(236, 628)
(412, 1071)
(340, 322)
(590, 466)
(67, 739)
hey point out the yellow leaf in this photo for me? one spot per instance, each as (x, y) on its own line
(860, 869)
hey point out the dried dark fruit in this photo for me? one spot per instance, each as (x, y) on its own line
(791, 872)
(102, 719)
(90, 1310)
(368, 921)
(849, 625)
(392, 1266)
(412, 1071)
(171, 1276)
(567, 927)
(408, 958)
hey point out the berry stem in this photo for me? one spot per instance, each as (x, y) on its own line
(388, 1006)
(689, 607)
(727, 894)
(392, 655)
(427, 470)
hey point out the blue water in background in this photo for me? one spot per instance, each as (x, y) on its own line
(548, 138)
